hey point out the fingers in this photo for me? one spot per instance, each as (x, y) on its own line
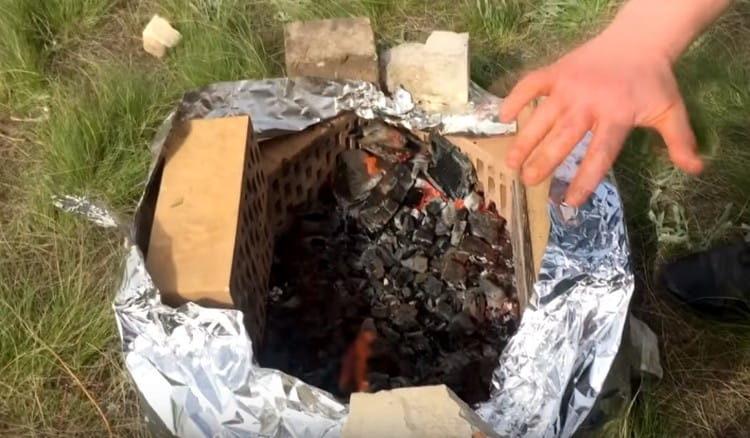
(561, 139)
(601, 155)
(541, 121)
(674, 127)
(534, 84)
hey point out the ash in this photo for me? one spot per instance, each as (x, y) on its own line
(397, 275)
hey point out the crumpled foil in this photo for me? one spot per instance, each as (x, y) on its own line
(286, 105)
(194, 366)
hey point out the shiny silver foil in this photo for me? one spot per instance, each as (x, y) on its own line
(284, 105)
(195, 369)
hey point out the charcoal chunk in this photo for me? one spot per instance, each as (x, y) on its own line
(433, 287)
(424, 236)
(478, 249)
(442, 229)
(453, 272)
(435, 207)
(404, 316)
(461, 324)
(353, 182)
(451, 169)
(417, 263)
(486, 226)
(457, 234)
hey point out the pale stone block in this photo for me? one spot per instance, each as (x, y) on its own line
(158, 35)
(436, 73)
(416, 412)
(340, 48)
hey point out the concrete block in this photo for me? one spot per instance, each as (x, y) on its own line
(158, 35)
(436, 73)
(416, 412)
(340, 48)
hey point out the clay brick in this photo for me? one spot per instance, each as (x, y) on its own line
(341, 48)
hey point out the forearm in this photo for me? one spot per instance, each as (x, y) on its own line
(665, 26)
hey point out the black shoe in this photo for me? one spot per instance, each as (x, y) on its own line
(714, 282)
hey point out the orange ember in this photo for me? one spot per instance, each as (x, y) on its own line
(353, 377)
(371, 163)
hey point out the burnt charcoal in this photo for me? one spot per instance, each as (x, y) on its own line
(420, 278)
(424, 236)
(435, 207)
(436, 278)
(442, 229)
(492, 289)
(404, 316)
(376, 217)
(379, 311)
(461, 324)
(417, 263)
(462, 214)
(402, 277)
(475, 304)
(387, 153)
(353, 182)
(417, 214)
(378, 132)
(486, 226)
(453, 272)
(399, 382)
(403, 221)
(478, 249)
(413, 197)
(377, 268)
(449, 214)
(377, 381)
(444, 310)
(427, 223)
(433, 287)
(489, 351)
(473, 201)
(457, 233)
(418, 341)
(388, 333)
(443, 243)
(450, 169)
(406, 293)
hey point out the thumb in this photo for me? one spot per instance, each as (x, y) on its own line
(674, 128)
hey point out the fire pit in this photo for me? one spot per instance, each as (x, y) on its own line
(391, 266)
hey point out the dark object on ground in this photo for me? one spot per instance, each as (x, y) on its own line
(715, 282)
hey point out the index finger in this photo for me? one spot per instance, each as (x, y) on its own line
(534, 84)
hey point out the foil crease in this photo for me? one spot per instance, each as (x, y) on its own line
(195, 368)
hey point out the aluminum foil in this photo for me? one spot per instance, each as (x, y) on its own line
(284, 105)
(195, 369)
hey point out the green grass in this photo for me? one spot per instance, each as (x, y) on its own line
(79, 103)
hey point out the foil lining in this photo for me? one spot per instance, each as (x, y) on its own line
(195, 369)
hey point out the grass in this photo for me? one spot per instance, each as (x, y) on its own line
(79, 103)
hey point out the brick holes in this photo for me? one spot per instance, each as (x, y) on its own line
(490, 185)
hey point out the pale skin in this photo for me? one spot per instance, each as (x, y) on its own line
(620, 79)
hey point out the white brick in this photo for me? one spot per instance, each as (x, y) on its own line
(158, 35)
(436, 72)
(416, 412)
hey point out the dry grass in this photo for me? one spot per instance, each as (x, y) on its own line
(79, 102)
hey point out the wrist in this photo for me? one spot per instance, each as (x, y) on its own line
(663, 29)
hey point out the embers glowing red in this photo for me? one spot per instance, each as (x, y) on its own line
(353, 377)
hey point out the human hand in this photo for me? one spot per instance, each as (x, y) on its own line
(608, 85)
